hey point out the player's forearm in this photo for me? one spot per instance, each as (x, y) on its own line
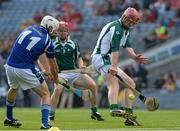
(80, 62)
(53, 67)
(53, 64)
(130, 52)
(42, 62)
(114, 59)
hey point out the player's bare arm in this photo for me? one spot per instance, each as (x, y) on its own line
(53, 68)
(42, 62)
(81, 63)
(137, 57)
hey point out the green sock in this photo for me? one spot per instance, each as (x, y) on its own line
(113, 106)
(120, 106)
(94, 109)
(51, 113)
(129, 110)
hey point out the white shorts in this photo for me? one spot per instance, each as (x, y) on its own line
(103, 63)
(70, 77)
(24, 78)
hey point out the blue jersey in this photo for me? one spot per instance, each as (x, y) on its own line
(30, 44)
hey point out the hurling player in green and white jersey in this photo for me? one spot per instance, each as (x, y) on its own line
(68, 56)
(105, 58)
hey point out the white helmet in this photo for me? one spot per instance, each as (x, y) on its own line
(48, 21)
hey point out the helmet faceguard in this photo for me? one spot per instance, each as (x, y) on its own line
(50, 22)
(130, 17)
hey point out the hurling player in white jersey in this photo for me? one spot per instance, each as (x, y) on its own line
(105, 58)
(22, 72)
(68, 56)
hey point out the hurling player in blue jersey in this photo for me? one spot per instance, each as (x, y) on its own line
(21, 71)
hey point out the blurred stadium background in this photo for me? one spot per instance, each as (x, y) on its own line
(157, 36)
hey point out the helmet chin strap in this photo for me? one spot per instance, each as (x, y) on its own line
(49, 32)
(50, 28)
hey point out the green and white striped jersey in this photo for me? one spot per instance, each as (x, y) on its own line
(112, 36)
(66, 54)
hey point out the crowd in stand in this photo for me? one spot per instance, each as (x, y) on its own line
(168, 82)
(160, 18)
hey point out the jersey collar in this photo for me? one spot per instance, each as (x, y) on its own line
(44, 30)
(64, 43)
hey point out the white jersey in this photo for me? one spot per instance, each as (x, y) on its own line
(112, 36)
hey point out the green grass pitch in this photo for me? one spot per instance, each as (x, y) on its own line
(79, 119)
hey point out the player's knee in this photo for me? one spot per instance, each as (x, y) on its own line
(132, 84)
(112, 83)
(14, 89)
(93, 86)
(113, 88)
(111, 80)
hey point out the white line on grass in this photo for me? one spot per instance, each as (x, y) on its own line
(119, 129)
(130, 129)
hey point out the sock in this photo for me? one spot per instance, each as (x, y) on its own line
(94, 109)
(9, 109)
(113, 106)
(44, 114)
(120, 107)
(78, 92)
(129, 110)
(51, 113)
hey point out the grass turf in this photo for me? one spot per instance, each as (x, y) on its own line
(79, 119)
